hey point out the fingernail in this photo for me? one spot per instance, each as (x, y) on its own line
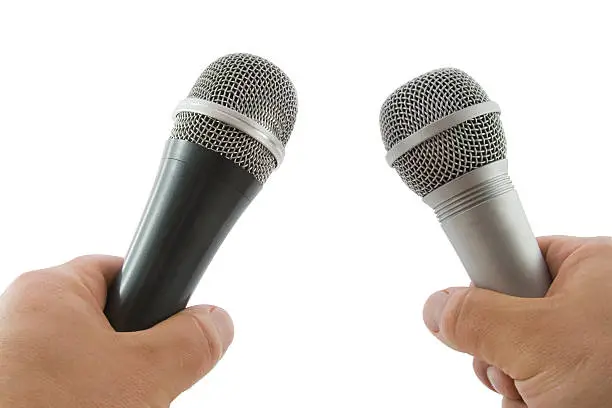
(224, 325)
(493, 379)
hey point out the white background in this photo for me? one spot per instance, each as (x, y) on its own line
(326, 273)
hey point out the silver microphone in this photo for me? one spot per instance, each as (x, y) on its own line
(444, 137)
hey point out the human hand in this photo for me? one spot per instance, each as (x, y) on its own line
(58, 350)
(554, 352)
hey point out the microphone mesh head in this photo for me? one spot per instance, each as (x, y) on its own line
(452, 153)
(253, 87)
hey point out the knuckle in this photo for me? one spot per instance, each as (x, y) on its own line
(82, 259)
(34, 282)
(93, 261)
(140, 349)
(84, 262)
(201, 346)
(32, 292)
(455, 315)
(597, 245)
(29, 278)
(596, 249)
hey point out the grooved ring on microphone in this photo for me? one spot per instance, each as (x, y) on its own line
(238, 121)
(439, 126)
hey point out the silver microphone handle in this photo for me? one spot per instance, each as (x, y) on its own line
(484, 220)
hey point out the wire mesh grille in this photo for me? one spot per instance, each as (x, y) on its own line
(253, 87)
(450, 154)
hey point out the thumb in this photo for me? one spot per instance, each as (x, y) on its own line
(184, 348)
(502, 330)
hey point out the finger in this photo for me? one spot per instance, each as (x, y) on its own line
(556, 249)
(502, 383)
(95, 273)
(495, 379)
(509, 403)
(480, 369)
(184, 348)
(489, 325)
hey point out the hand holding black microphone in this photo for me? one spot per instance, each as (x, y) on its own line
(539, 346)
(61, 346)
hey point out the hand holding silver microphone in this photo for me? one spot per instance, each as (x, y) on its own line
(538, 345)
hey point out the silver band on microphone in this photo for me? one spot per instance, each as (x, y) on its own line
(440, 126)
(236, 120)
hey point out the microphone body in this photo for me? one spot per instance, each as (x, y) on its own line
(484, 220)
(196, 199)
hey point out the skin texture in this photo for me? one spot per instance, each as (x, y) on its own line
(58, 350)
(554, 352)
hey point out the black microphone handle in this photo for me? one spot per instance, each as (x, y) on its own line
(196, 199)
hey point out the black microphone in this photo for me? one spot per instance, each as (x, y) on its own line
(229, 135)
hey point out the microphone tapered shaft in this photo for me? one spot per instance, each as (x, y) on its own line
(197, 197)
(484, 220)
